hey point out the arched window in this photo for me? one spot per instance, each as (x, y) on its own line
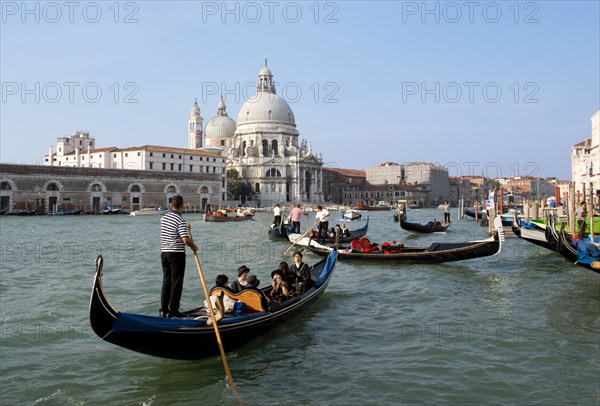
(257, 188)
(243, 148)
(52, 187)
(203, 189)
(5, 186)
(274, 147)
(171, 189)
(272, 173)
(135, 189)
(265, 147)
(96, 188)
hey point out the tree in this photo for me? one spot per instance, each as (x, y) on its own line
(237, 187)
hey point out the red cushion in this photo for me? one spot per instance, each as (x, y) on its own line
(365, 243)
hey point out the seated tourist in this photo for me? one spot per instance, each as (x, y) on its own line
(252, 282)
(241, 281)
(301, 272)
(279, 288)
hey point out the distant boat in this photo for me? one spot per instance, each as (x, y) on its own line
(351, 215)
(68, 212)
(149, 211)
(431, 227)
(111, 210)
(19, 212)
(370, 208)
(218, 216)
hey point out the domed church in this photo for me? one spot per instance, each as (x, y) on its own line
(263, 146)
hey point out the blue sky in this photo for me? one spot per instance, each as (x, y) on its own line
(500, 88)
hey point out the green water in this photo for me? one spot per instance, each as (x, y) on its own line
(521, 327)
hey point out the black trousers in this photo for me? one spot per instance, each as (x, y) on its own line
(277, 220)
(581, 225)
(173, 265)
(446, 217)
(323, 225)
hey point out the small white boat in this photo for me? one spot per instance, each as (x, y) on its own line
(147, 211)
(351, 215)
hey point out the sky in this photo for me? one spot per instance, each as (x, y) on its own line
(501, 88)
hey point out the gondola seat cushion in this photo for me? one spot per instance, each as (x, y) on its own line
(365, 244)
(355, 246)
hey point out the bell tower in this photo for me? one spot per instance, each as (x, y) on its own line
(195, 128)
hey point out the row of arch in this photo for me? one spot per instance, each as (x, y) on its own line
(56, 186)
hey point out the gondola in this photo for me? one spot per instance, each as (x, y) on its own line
(354, 234)
(580, 252)
(471, 213)
(400, 214)
(282, 231)
(424, 228)
(531, 232)
(189, 338)
(218, 216)
(351, 215)
(398, 253)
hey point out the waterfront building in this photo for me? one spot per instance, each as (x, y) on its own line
(432, 177)
(585, 161)
(46, 189)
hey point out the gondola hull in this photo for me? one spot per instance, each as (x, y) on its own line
(189, 338)
(224, 219)
(424, 228)
(434, 254)
(569, 252)
(536, 236)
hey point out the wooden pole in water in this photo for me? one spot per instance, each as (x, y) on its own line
(591, 212)
(571, 208)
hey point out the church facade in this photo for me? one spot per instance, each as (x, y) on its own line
(264, 146)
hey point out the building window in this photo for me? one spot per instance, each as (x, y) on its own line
(222, 143)
(164, 155)
(214, 169)
(150, 163)
(179, 156)
(114, 155)
(151, 153)
(274, 147)
(135, 189)
(164, 166)
(203, 189)
(172, 156)
(265, 148)
(126, 154)
(271, 173)
(172, 166)
(171, 189)
(200, 158)
(5, 186)
(191, 158)
(180, 167)
(214, 159)
(139, 154)
(96, 188)
(191, 168)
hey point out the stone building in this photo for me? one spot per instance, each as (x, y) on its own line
(433, 178)
(46, 189)
(585, 161)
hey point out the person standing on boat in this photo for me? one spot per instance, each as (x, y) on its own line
(277, 215)
(296, 217)
(446, 210)
(581, 216)
(174, 236)
(322, 222)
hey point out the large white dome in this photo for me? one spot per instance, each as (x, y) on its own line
(266, 107)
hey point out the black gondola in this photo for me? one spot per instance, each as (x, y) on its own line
(436, 227)
(189, 338)
(533, 234)
(282, 231)
(435, 253)
(570, 252)
(354, 234)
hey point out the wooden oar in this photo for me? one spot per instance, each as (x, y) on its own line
(212, 315)
(298, 239)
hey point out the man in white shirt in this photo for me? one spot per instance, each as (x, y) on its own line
(322, 220)
(277, 215)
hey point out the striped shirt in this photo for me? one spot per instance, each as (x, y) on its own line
(173, 228)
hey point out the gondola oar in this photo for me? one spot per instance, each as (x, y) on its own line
(298, 239)
(212, 315)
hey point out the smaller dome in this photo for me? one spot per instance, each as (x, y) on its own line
(220, 127)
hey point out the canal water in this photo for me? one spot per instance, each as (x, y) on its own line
(521, 327)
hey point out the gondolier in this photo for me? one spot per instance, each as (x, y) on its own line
(277, 215)
(322, 222)
(174, 236)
